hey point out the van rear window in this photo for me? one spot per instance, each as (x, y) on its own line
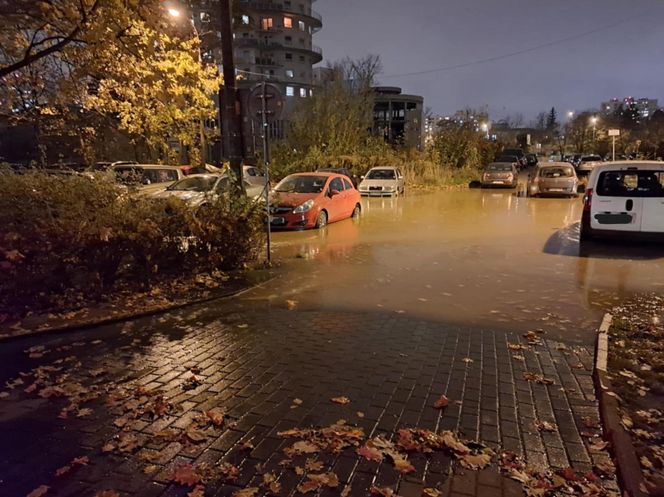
(631, 184)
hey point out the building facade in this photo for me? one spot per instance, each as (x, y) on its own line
(644, 108)
(273, 42)
(398, 118)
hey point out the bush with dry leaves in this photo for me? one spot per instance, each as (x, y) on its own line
(67, 240)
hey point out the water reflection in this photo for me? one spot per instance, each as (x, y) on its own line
(475, 257)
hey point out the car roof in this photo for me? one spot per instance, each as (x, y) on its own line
(384, 167)
(206, 175)
(146, 166)
(542, 165)
(326, 175)
(647, 165)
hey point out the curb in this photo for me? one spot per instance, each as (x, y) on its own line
(81, 325)
(627, 463)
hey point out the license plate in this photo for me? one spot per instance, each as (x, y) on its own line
(277, 220)
(556, 189)
(498, 182)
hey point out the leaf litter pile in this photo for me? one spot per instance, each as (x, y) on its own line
(79, 393)
(636, 365)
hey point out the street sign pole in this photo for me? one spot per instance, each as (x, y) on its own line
(614, 133)
(266, 104)
(266, 160)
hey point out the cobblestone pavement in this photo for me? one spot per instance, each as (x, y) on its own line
(252, 362)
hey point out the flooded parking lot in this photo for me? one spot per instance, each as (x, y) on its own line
(478, 257)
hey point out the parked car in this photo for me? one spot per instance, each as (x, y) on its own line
(556, 179)
(515, 152)
(587, 163)
(147, 178)
(196, 189)
(383, 181)
(624, 199)
(500, 174)
(254, 175)
(313, 200)
(339, 170)
(532, 160)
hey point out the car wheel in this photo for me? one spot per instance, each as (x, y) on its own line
(321, 220)
(357, 212)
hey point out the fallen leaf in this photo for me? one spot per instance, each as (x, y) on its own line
(39, 491)
(185, 474)
(314, 482)
(246, 492)
(646, 463)
(216, 416)
(442, 402)
(519, 476)
(360, 414)
(544, 426)
(63, 470)
(346, 491)
(627, 422)
(467, 360)
(475, 461)
(291, 305)
(431, 492)
(599, 445)
(107, 493)
(383, 491)
(297, 402)
(340, 400)
(195, 435)
(537, 378)
(198, 491)
(370, 453)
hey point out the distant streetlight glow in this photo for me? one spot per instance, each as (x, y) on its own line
(173, 12)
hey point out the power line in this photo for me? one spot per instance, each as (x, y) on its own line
(514, 54)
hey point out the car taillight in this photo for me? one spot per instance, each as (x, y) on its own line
(588, 200)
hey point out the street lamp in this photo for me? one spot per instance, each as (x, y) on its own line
(174, 12)
(570, 115)
(593, 120)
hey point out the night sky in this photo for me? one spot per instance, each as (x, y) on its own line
(622, 53)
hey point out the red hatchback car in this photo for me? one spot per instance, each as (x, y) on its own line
(312, 200)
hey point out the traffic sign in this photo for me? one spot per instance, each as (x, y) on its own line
(274, 103)
(614, 132)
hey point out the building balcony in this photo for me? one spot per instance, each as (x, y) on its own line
(316, 53)
(315, 18)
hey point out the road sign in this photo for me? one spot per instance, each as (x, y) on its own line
(614, 132)
(274, 103)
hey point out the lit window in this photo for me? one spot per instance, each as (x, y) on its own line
(290, 91)
(290, 73)
(266, 23)
(288, 22)
(245, 19)
(303, 27)
(311, 93)
(303, 92)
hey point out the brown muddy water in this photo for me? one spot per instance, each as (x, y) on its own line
(481, 258)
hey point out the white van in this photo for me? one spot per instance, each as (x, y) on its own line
(624, 199)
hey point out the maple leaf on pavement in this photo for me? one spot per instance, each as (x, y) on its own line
(198, 491)
(216, 416)
(107, 493)
(340, 400)
(185, 474)
(246, 492)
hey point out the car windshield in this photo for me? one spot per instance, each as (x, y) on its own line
(382, 174)
(506, 158)
(591, 158)
(139, 176)
(198, 184)
(302, 184)
(631, 184)
(513, 152)
(498, 167)
(557, 172)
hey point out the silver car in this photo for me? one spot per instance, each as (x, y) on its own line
(500, 174)
(555, 179)
(197, 188)
(382, 181)
(587, 163)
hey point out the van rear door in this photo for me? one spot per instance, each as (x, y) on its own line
(652, 185)
(617, 204)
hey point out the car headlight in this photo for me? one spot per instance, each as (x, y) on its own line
(305, 207)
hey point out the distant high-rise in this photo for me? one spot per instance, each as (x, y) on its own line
(644, 108)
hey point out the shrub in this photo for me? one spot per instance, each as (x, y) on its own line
(66, 239)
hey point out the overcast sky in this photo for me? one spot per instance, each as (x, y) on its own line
(621, 54)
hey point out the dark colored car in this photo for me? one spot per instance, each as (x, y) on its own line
(516, 152)
(531, 160)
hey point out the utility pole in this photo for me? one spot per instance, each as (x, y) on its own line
(266, 159)
(230, 112)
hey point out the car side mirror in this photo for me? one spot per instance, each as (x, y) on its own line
(362, 177)
(334, 193)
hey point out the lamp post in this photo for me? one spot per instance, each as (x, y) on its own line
(176, 14)
(593, 120)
